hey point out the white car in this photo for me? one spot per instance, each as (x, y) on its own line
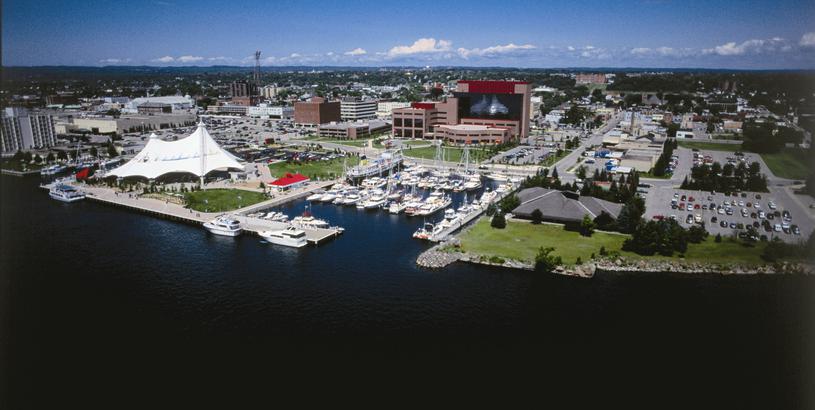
(771, 204)
(777, 227)
(761, 214)
(721, 211)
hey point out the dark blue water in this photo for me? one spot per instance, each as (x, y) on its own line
(100, 302)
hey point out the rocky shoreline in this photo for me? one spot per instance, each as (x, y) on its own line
(436, 258)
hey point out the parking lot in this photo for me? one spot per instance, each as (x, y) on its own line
(523, 155)
(729, 214)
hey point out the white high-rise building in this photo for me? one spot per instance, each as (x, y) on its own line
(23, 130)
(352, 109)
(385, 108)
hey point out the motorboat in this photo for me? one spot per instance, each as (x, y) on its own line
(53, 170)
(497, 177)
(224, 225)
(65, 193)
(428, 231)
(378, 199)
(276, 217)
(309, 221)
(292, 236)
(315, 197)
(472, 183)
(397, 207)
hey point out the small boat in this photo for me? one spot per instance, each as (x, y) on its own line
(315, 197)
(397, 207)
(65, 193)
(292, 236)
(497, 177)
(224, 225)
(424, 232)
(53, 170)
(308, 221)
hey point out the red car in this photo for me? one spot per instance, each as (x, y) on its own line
(658, 217)
(696, 206)
(690, 199)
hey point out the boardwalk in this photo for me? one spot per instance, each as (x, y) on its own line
(177, 212)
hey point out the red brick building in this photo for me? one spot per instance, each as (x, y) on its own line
(316, 111)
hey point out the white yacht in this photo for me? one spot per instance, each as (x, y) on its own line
(497, 177)
(397, 207)
(65, 193)
(308, 221)
(472, 183)
(276, 217)
(224, 225)
(378, 199)
(315, 197)
(292, 236)
(53, 169)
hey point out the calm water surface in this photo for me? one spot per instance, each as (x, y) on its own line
(103, 298)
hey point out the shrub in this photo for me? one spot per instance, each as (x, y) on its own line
(718, 238)
(537, 216)
(498, 221)
(545, 262)
(603, 251)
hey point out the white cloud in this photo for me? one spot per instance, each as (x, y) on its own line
(421, 46)
(754, 46)
(189, 59)
(219, 58)
(808, 39)
(356, 52)
(114, 60)
(663, 52)
(165, 59)
(570, 48)
(493, 51)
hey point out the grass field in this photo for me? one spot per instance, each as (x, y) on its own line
(789, 163)
(221, 200)
(314, 169)
(521, 241)
(451, 154)
(552, 159)
(712, 146)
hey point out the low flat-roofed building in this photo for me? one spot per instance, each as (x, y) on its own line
(155, 108)
(353, 130)
(472, 134)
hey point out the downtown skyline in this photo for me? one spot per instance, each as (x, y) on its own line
(644, 33)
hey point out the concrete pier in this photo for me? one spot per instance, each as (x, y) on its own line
(168, 210)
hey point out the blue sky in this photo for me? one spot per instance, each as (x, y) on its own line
(625, 33)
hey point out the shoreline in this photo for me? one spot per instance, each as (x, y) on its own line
(617, 264)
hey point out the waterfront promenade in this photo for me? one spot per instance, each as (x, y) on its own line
(168, 210)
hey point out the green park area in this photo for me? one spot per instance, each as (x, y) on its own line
(313, 169)
(451, 154)
(712, 146)
(522, 240)
(221, 200)
(789, 163)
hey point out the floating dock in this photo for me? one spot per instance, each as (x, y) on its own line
(443, 235)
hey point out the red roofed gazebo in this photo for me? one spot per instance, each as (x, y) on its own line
(290, 181)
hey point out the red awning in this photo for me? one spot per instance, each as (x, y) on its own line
(289, 179)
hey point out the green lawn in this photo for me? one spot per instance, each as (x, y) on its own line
(521, 241)
(314, 169)
(451, 154)
(789, 163)
(712, 146)
(221, 200)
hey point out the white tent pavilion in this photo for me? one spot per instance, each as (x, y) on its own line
(159, 157)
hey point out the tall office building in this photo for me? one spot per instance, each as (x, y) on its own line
(239, 89)
(23, 130)
(352, 109)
